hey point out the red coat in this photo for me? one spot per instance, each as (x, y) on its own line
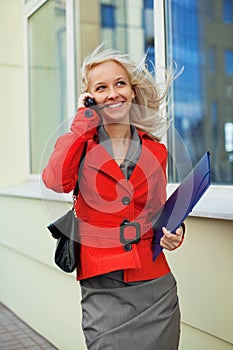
(106, 199)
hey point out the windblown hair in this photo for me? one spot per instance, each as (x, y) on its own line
(146, 112)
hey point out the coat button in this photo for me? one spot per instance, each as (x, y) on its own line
(125, 200)
(88, 113)
(128, 247)
(125, 222)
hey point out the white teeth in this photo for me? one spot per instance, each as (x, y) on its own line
(115, 105)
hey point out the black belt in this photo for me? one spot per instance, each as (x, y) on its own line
(128, 242)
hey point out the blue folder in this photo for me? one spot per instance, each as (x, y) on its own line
(181, 202)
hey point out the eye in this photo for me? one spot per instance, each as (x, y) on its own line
(121, 82)
(100, 87)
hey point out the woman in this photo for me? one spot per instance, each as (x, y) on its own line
(129, 301)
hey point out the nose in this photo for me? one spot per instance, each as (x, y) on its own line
(113, 93)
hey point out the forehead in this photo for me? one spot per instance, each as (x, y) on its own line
(105, 71)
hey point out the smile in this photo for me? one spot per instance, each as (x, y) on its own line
(115, 105)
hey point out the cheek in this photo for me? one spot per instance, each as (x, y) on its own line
(131, 95)
(99, 98)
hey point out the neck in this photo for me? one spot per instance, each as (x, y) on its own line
(120, 131)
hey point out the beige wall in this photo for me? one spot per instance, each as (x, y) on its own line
(45, 298)
(13, 128)
(49, 300)
(203, 268)
(33, 287)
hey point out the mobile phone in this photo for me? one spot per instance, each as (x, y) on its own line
(89, 102)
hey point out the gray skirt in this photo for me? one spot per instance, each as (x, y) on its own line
(140, 316)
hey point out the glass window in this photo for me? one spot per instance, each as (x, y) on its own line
(47, 76)
(149, 33)
(229, 62)
(108, 23)
(122, 24)
(228, 11)
(107, 16)
(203, 94)
(228, 130)
(149, 4)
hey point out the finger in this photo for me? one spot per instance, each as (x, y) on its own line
(169, 245)
(166, 232)
(173, 236)
(168, 236)
(82, 98)
(179, 231)
(170, 240)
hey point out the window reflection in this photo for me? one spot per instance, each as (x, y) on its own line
(228, 11)
(229, 62)
(113, 21)
(201, 41)
(121, 26)
(47, 74)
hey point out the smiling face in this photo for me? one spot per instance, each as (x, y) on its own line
(110, 86)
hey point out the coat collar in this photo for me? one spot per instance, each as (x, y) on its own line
(100, 160)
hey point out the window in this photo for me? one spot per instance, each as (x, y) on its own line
(149, 33)
(228, 130)
(130, 29)
(203, 100)
(51, 88)
(149, 4)
(229, 62)
(47, 76)
(126, 25)
(107, 16)
(228, 11)
(108, 23)
(50, 70)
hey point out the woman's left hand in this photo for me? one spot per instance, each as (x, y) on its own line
(170, 240)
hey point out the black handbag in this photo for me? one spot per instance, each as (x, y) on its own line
(65, 231)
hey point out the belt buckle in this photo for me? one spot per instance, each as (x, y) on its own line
(125, 224)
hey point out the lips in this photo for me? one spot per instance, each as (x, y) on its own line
(114, 105)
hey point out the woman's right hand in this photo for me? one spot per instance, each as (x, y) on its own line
(82, 98)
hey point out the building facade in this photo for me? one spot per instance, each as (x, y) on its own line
(43, 44)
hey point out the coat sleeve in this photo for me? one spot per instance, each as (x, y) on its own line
(61, 172)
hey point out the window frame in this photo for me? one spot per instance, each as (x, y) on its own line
(217, 202)
(29, 9)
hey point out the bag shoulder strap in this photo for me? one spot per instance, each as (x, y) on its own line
(76, 189)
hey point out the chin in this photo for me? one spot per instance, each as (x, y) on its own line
(110, 117)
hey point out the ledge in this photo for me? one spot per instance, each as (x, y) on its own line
(216, 203)
(34, 188)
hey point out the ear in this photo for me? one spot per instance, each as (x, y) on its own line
(133, 94)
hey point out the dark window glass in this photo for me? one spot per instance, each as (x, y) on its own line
(228, 11)
(203, 93)
(107, 16)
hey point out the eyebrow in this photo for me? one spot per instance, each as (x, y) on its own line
(120, 78)
(102, 82)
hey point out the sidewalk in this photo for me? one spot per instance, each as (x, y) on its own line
(16, 335)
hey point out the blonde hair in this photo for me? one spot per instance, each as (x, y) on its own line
(145, 112)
